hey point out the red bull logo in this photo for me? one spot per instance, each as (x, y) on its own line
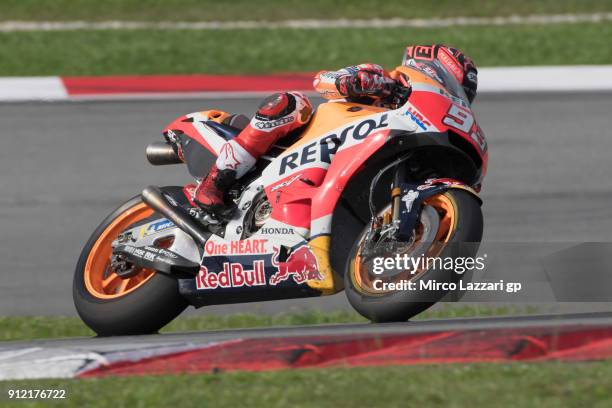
(233, 276)
(301, 266)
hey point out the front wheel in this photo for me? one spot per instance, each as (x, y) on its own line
(110, 305)
(450, 226)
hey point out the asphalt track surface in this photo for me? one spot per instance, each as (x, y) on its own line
(65, 166)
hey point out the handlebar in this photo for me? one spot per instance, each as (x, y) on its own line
(398, 93)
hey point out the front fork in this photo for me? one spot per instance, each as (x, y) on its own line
(390, 219)
(399, 176)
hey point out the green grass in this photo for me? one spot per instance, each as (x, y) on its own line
(201, 10)
(27, 328)
(286, 50)
(455, 385)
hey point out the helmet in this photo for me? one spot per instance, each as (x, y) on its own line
(455, 62)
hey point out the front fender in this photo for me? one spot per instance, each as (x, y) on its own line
(414, 194)
(448, 183)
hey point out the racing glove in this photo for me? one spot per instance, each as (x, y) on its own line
(364, 80)
(365, 83)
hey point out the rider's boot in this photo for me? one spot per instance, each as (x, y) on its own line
(232, 163)
(210, 192)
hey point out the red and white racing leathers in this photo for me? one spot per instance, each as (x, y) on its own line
(283, 112)
(278, 115)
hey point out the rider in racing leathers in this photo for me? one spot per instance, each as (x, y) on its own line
(284, 112)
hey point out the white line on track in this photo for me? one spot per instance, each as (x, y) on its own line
(11, 26)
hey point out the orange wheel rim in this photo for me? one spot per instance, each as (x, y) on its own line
(448, 216)
(100, 280)
(445, 207)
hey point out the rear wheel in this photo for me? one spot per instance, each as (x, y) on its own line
(450, 226)
(110, 305)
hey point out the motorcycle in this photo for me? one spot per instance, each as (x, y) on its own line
(360, 183)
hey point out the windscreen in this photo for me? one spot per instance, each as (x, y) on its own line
(439, 73)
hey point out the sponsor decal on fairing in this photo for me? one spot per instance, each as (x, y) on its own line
(234, 275)
(301, 266)
(250, 263)
(156, 227)
(417, 117)
(240, 247)
(286, 183)
(323, 149)
(149, 253)
(276, 231)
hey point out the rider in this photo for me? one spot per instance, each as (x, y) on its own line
(284, 112)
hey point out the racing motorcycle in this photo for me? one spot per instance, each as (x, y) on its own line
(359, 183)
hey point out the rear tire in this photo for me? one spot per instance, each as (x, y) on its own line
(144, 310)
(404, 304)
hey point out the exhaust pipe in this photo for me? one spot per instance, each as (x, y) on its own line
(157, 200)
(161, 153)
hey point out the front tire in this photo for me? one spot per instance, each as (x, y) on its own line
(461, 240)
(112, 306)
